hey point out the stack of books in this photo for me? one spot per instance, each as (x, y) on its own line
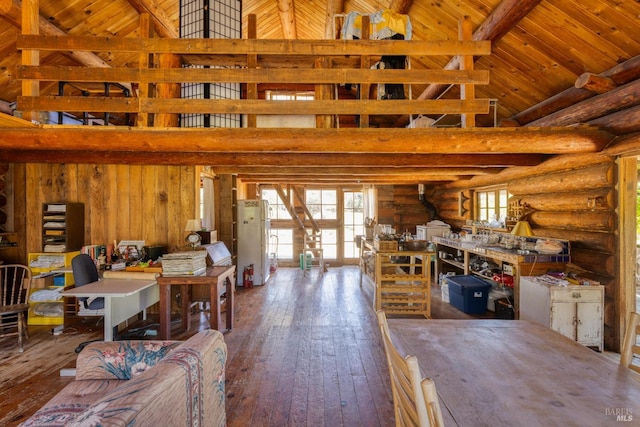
(192, 263)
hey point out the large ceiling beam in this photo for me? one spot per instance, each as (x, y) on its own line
(501, 20)
(288, 19)
(353, 171)
(11, 11)
(620, 74)
(274, 160)
(291, 140)
(163, 25)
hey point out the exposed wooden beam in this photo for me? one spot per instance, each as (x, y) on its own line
(621, 122)
(595, 83)
(287, 12)
(274, 160)
(237, 140)
(334, 7)
(9, 121)
(501, 20)
(352, 170)
(163, 25)
(252, 75)
(617, 99)
(620, 74)
(11, 12)
(320, 47)
(400, 6)
(344, 179)
(248, 106)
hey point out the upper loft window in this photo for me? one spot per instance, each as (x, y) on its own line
(274, 95)
(492, 206)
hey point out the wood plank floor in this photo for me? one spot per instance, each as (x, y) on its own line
(304, 351)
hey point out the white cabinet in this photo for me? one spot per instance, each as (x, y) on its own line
(574, 311)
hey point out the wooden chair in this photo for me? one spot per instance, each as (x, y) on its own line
(415, 400)
(15, 282)
(630, 347)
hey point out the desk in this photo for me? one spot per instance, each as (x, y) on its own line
(123, 298)
(517, 373)
(214, 277)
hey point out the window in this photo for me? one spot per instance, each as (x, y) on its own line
(289, 96)
(277, 209)
(323, 204)
(491, 206)
(353, 220)
(281, 244)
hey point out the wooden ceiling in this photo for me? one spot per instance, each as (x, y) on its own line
(539, 50)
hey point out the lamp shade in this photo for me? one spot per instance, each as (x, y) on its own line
(193, 225)
(522, 229)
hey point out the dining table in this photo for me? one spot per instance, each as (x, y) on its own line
(491, 372)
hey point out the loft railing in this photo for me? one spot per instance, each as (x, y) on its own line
(251, 61)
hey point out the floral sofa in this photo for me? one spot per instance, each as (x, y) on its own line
(143, 383)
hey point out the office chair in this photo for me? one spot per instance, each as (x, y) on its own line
(85, 272)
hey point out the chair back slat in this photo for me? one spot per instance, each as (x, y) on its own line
(16, 282)
(415, 400)
(630, 347)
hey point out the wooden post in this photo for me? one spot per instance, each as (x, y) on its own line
(30, 25)
(167, 90)
(365, 62)
(143, 63)
(324, 92)
(467, 91)
(252, 63)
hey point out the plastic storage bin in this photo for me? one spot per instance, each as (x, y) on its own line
(468, 293)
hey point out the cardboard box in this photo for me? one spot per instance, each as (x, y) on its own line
(40, 282)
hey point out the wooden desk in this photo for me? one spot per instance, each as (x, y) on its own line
(220, 279)
(123, 298)
(517, 373)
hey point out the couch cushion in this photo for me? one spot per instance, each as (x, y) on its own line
(71, 401)
(121, 360)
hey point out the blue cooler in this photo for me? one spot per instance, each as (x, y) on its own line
(468, 293)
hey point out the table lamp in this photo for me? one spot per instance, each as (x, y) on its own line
(193, 238)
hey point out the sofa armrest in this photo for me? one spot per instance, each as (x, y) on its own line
(186, 388)
(120, 360)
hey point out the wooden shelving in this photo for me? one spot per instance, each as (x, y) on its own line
(62, 227)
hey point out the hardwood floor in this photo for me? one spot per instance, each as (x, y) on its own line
(303, 351)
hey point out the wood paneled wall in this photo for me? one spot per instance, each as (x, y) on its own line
(400, 206)
(574, 198)
(150, 203)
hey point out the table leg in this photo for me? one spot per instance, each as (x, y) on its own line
(214, 319)
(186, 306)
(108, 319)
(165, 312)
(230, 290)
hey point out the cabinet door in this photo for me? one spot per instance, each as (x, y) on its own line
(589, 327)
(563, 318)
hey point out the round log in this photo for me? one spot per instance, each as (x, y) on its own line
(576, 220)
(599, 176)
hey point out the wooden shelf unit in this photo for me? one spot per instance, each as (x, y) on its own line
(62, 224)
(508, 260)
(65, 258)
(402, 282)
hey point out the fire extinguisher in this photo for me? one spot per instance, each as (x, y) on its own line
(251, 275)
(245, 277)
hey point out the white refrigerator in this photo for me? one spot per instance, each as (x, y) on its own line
(253, 240)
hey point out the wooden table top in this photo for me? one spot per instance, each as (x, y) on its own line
(517, 373)
(110, 287)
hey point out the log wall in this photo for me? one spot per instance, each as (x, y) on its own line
(574, 198)
(150, 203)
